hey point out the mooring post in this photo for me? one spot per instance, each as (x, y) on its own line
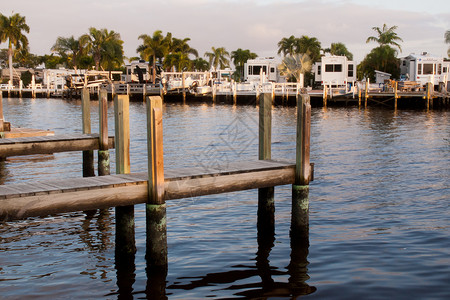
(125, 242)
(395, 94)
(266, 201)
(156, 251)
(366, 92)
(2, 127)
(183, 82)
(88, 155)
(103, 152)
(300, 189)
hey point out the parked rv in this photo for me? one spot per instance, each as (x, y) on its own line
(268, 66)
(425, 68)
(335, 71)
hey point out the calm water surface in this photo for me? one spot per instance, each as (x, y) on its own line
(379, 210)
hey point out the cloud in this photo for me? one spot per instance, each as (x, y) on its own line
(246, 24)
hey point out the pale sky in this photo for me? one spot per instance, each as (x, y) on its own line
(246, 24)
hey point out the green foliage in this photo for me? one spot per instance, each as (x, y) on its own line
(339, 49)
(218, 58)
(447, 40)
(26, 77)
(382, 58)
(293, 66)
(239, 58)
(302, 45)
(105, 47)
(200, 65)
(386, 36)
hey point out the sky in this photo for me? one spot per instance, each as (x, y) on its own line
(233, 24)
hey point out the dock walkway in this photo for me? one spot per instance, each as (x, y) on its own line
(18, 201)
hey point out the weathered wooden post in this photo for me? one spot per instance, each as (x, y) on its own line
(156, 251)
(366, 92)
(266, 201)
(300, 189)
(103, 152)
(325, 95)
(234, 93)
(88, 155)
(1, 114)
(144, 91)
(183, 82)
(20, 88)
(125, 242)
(395, 94)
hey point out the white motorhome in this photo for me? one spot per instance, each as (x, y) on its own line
(424, 68)
(137, 71)
(267, 65)
(334, 70)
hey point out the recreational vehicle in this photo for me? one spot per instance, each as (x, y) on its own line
(334, 70)
(137, 71)
(424, 68)
(268, 66)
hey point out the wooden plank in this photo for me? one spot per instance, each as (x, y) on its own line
(77, 196)
(50, 145)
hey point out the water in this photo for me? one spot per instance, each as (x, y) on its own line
(379, 211)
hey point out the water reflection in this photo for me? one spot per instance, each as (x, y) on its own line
(242, 278)
(101, 241)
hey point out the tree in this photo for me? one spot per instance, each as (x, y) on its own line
(386, 36)
(309, 45)
(70, 50)
(239, 58)
(447, 40)
(288, 46)
(153, 48)
(199, 64)
(382, 58)
(218, 58)
(339, 49)
(293, 66)
(11, 29)
(104, 46)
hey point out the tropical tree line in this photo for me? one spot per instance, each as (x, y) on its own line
(102, 49)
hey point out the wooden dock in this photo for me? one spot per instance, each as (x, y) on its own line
(123, 190)
(41, 198)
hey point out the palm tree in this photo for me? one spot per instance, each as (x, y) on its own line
(200, 64)
(70, 49)
(218, 58)
(447, 40)
(182, 46)
(339, 49)
(11, 29)
(309, 45)
(104, 46)
(293, 66)
(287, 46)
(153, 47)
(386, 36)
(239, 58)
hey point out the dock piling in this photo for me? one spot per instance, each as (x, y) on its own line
(266, 199)
(103, 152)
(156, 241)
(125, 242)
(88, 155)
(303, 170)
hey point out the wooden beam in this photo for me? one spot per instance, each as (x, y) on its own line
(79, 194)
(50, 144)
